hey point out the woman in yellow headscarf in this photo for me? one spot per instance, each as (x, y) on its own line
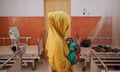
(57, 50)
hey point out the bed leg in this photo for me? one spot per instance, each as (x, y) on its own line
(33, 65)
(94, 67)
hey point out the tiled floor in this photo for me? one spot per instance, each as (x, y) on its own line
(44, 67)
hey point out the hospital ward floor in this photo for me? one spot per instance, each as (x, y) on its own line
(44, 67)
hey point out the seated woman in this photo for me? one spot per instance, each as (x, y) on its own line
(85, 50)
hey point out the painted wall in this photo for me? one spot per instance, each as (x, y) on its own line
(28, 26)
(93, 7)
(83, 26)
(21, 8)
(30, 13)
(95, 10)
(27, 15)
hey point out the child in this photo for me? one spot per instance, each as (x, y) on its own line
(72, 45)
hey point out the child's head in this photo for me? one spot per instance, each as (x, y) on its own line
(69, 40)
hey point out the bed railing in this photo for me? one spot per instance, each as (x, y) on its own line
(7, 38)
(27, 57)
(94, 67)
(16, 67)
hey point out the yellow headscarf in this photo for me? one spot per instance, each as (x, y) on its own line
(56, 46)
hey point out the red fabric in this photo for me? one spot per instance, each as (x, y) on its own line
(78, 57)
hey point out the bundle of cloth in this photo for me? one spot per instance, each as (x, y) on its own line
(85, 43)
(101, 48)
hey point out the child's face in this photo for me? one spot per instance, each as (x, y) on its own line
(69, 41)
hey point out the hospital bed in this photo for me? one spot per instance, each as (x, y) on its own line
(31, 55)
(17, 63)
(104, 62)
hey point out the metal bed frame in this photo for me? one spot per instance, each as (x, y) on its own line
(26, 58)
(17, 63)
(100, 62)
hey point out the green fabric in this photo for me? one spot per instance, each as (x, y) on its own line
(72, 55)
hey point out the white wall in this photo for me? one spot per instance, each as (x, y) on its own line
(93, 7)
(36, 7)
(21, 7)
